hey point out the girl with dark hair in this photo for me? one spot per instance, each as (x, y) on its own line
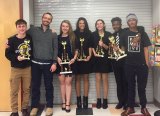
(101, 62)
(66, 36)
(83, 35)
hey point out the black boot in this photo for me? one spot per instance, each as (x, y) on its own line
(79, 104)
(85, 102)
(98, 105)
(105, 103)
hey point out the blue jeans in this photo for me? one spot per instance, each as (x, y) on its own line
(37, 71)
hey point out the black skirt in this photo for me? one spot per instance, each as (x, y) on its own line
(101, 65)
(83, 67)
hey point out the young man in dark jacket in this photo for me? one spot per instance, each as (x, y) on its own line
(18, 51)
(118, 66)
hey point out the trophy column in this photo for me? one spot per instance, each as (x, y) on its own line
(81, 55)
(65, 66)
(99, 49)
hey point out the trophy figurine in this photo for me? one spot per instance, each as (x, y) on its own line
(65, 66)
(115, 53)
(99, 49)
(24, 50)
(81, 55)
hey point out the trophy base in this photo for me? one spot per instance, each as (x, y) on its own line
(110, 57)
(26, 58)
(66, 72)
(81, 59)
(100, 56)
(121, 57)
(64, 63)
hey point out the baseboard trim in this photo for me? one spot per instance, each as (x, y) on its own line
(156, 103)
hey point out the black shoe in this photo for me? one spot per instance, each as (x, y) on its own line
(25, 112)
(63, 107)
(119, 106)
(79, 104)
(68, 110)
(105, 103)
(98, 105)
(85, 102)
(14, 114)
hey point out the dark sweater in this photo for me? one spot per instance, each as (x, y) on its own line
(13, 51)
(45, 44)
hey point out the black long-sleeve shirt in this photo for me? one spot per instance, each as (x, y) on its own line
(15, 49)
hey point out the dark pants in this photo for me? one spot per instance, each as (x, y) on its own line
(37, 71)
(122, 91)
(141, 71)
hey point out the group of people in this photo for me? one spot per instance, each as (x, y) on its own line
(46, 51)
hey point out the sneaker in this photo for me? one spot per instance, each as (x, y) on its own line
(49, 111)
(128, 112)
(145, 112)
(34, 112)
(119, 106)
(14, 114)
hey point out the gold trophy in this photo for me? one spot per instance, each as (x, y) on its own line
(65, 66)
(115, 54)
(24, 50)
(99, 49)
(81, 55)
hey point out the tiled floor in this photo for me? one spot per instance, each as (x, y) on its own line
(111, 111)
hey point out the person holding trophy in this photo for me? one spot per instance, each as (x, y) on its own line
(18, 51)
(67, 55)
(101, 63)
(83, 35)
(118, 66)
(136, 43)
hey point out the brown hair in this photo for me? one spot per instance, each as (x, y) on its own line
(70, 33)
(104, 28)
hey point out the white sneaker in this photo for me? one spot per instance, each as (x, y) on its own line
(34, 112)
(49, 111)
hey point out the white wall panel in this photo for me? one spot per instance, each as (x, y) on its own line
(93, 10)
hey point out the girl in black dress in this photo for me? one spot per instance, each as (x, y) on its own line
(83, 35)
(66, 36)
(101, 64)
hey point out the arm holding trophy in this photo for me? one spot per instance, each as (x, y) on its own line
(114, 50)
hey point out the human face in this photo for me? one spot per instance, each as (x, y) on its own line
(65, 28)
(100, 25)
(81, 25)
(132, 23)
(21, 28)
(46, 19)
(116, 25)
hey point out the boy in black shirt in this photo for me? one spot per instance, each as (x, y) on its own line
(18, 52)
(118, 66)
(135, 43)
